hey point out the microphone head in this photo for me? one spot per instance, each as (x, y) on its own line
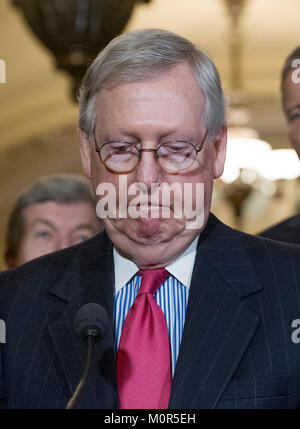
(91, 320)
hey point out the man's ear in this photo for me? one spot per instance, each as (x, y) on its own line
(85, 153)
(220, 151)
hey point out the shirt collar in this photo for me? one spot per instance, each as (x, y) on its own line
(181, 269)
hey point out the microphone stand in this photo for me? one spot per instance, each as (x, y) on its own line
(90, 343)
(91, 321)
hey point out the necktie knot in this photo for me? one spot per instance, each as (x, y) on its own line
(152, 280)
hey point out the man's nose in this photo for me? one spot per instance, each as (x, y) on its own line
(62, 242)
(148, 170)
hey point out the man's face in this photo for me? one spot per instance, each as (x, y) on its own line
(150, 113)
(50, 226)
(291, 105)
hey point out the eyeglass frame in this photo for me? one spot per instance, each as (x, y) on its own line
(98, 150)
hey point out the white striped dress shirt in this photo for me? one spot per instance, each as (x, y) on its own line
(172, 296)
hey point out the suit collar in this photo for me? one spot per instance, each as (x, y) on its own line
(181, 268)
(92, 256)
(225, 249)
(221, 245)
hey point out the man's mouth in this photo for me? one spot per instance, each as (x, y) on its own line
(149, 211)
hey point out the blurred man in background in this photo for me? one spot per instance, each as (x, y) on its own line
(290, 90)
(56, 212)
(289, 229)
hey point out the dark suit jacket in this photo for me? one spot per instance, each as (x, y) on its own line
(288, 230)
(236, 351)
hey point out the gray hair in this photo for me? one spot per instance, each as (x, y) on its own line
(288, 65)
(60, 188)
(143, 55)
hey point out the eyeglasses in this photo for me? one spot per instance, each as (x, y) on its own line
(172, 156)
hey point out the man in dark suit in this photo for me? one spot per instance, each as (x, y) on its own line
(289, 229)
(152, 121)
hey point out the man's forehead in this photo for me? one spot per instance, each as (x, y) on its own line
(175, 92)
(143, 74)
(180, 73)
(48, 208)
(60, 215)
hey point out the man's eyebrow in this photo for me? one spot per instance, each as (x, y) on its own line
(42, 221)
(83, 226)
(184, 137)
(178, 137)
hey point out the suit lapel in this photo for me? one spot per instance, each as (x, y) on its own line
(219, 325)
(91, 281)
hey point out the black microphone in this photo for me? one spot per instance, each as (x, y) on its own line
(90, 323)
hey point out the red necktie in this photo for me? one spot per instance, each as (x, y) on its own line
(143, 359)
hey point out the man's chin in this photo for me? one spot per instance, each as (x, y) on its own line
(146, 230)
(151, 229)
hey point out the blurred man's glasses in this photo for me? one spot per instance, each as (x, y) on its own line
(172, 156)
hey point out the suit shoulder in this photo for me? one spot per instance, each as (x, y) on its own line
(270, 245)
(271, 257)
(38, 275)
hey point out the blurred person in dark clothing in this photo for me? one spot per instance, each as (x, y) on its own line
(289, 229)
